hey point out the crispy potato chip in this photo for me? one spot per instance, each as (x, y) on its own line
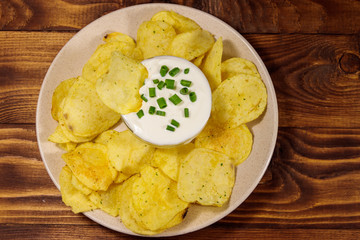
(125, 197)
(206, 177)
(61, 91)
(178, 22)
(69, 146)
(121, 177)
(169, 159)
(154, 200)
(127, 153)
(83, 113)
(212, 64)
(90, 165)
(58, 136)
(71, 196)
(190, 45)
(235, 143)
(235, 66)
(119, 88)
(80, 186)
(154, 38)
(99, 62)
(109, 200)
(198, 60)
(238, 100)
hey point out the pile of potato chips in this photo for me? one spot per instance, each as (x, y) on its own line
(151, 188)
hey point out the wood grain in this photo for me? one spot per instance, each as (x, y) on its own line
(311, 75)
(256, 16)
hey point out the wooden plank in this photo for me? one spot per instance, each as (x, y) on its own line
(312, 182)
(310, 90)
(257, 16)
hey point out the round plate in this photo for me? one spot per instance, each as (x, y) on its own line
(72, 57)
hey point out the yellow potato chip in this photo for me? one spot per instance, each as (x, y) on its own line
(69, 146)
(238, 100)
(58, 136)
(178, 22)
(212, 64)
(119, 88)
(60, 92)
(99, 62)
(109, 200)
(169, 159)
(198, 60)
(83, 113)
(154, 38)
(154, 200)
(125, 197)
(80, 186)
(119, 37)
(206, 177)
(235, 66)
(192, 44)
(127, 153)
(71, 196)
(235, 143)
(121, 177)
(90, 165)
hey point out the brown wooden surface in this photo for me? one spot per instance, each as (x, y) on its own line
(311, 189)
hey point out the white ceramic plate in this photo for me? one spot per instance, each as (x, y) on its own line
(72, 57)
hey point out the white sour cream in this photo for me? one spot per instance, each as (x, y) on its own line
(152, 128)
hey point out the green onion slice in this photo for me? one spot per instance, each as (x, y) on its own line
(174, 71)
(144, 98)
(160, 113)
(152, 92)
(170, 128)
(140, 113)
(170, 83)
(160, 85)
(161, 102)
(186, 112)
(184, 91)
(156, 81)
(175, 99)
(192, 96)
(163, 70)
(187, 70)
(152, 110)
(175, 123)
(185, 83)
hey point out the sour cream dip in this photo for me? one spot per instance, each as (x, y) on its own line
(176, 102)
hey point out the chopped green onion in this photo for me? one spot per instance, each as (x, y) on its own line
(175, 99)
(170, 83)
(163, 70)
(184, 91)
(185, 83)
(144, 98)
(160, 113)
(152, 92)
(151, 110)
(192, 96)
(174, 71)
(156, 81)
(186, 112)
(187, 70)
(170, 128)
(160, 85)
(161, 102)
(175, 123)
(140, 113)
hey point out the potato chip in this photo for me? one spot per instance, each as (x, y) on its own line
(119, 88)
(206, 177)
(235, 143)
(58, 136)
(60, 92)
(238, 100)
(154, 38)
(235, 66)
(99, 62)
(169, 159)
(154, 199)
(109, 200)
(80, 186)
(90, 165)
(71, 196)
(69, 146)
(83, 113)
(212, 64)
(125, 197)
(121, 177)
(178, 22)
(192, 44)
(127, 153)
(198, 60)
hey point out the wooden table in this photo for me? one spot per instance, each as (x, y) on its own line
(311, 49)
